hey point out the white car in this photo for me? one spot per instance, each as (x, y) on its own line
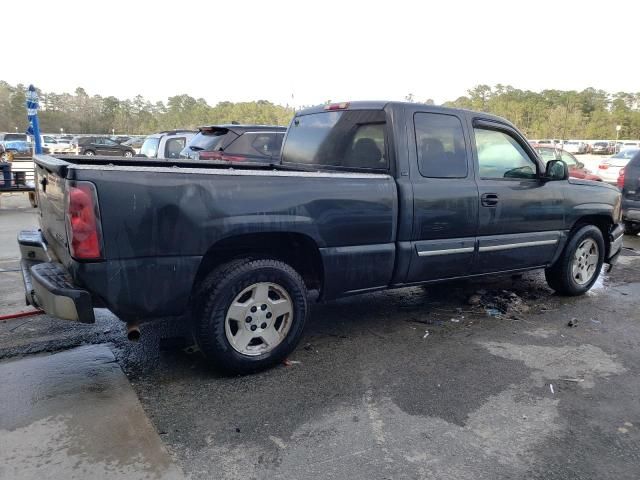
(573, 146)
(609, 169)
(61, 147)
(629, 145)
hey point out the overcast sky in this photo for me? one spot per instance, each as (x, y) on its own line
(319, 50)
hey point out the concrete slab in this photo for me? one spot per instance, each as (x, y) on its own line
(16, 214)
(74, 415)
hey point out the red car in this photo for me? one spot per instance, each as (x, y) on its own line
(576, 168)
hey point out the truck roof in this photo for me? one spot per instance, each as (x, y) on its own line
(382, 104)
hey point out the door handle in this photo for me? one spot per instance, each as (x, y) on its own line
(489, 199)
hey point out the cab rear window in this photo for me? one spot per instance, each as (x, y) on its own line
(342, 139)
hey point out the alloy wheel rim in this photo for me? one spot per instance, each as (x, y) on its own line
(259, 318)
(585, 262)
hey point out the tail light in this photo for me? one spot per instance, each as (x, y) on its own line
(219, 155)
(603, 166)
(621, 178)
(84, 229)
(204, 155)
(337, 106)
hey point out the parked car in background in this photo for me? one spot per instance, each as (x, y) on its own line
(629, 183)
(167, 144)
(549, 143)
(19, 149)
(602, 148)
(94, 145)
(236, 143)
(57, 146)
(576, 167)
(609, 169)
(47, 141)
(574, 146)
(628, 145)
(8, 137)
(135, 143)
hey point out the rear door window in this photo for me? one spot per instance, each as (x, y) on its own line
(174, 146)
(440, 146)
(341, 139)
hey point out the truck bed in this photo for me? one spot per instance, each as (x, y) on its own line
(161, 218)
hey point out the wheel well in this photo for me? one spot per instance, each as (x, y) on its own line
(603, 222)
(295, 249)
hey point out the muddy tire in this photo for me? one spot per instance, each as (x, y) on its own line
(249, 314)
(579, 265)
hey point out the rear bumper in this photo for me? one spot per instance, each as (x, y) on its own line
(615, 243)
(48, 285)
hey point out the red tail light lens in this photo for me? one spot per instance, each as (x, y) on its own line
(219, 155)
(621, 178)
(83, 221)
(209, 155)
(603, 166)
(337, 106)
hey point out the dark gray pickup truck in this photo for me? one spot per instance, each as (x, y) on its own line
(368, 196)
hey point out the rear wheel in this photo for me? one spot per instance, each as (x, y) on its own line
(579, 265)
(128, 154)
(250, 314)
(89, 153)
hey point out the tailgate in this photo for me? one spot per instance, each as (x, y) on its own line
(50, 176)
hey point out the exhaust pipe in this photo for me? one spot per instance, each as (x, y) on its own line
(133, 332)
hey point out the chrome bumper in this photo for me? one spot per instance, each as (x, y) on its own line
(48, 285)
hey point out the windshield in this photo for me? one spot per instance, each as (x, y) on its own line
(150, 147)
(208, 140)
(15, 136)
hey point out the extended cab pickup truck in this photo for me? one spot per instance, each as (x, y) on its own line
(368, 196)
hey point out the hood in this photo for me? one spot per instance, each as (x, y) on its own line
(591, 183)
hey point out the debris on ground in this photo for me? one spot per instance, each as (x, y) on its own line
(573, 322)
(474, 300)
(551, 388)
(426, 334)
(493, 312)
(576, 380)
(289, 363)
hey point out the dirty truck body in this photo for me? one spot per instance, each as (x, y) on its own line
(369, 196)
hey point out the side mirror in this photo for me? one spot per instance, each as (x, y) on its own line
(556, 170)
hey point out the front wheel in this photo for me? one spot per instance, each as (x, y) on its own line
(128, 154)
(579, 265)
(89, 153)
(250, 314)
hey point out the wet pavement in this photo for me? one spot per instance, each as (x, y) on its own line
(471, 380)
(74, 415)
